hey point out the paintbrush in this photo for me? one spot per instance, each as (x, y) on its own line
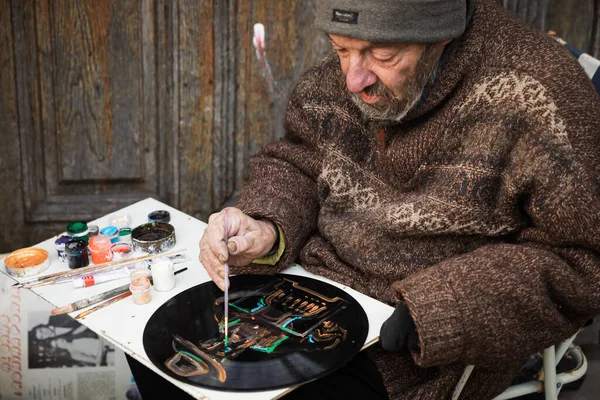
(121, 292)
(226, 286)
(61, 277)
(78, 305)
(106, 303)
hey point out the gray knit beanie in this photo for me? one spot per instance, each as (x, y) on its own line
(393, 21)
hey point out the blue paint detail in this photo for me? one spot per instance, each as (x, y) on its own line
(257, 307)
(289, 321)
(310, 338)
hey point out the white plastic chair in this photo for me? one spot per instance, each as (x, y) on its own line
(548, 380)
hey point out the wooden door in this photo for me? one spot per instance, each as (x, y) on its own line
(106, 102)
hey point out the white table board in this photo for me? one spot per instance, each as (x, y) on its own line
(123, 323)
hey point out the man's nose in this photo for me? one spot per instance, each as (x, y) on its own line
(359, 76)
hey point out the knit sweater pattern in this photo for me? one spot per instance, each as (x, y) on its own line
(480, 210)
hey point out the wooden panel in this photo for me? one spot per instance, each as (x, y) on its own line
(28, 96)
(196, 105)
(87, 90)
(293, 44)
(596, 38)
(532, 12)
(11, 194)
(167, 116)
(224, 119)
(576, 21)
(573, 20)
(97, 88)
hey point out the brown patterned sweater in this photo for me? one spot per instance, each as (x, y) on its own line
(481, 210)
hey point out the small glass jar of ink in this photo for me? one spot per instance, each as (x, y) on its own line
(111, 232)
(125, 235)
(60, 247)
(93, 230)
(77, 253)
(100, 249)
(140, 290)
(78, 230)
(159, 216)
(121, 250)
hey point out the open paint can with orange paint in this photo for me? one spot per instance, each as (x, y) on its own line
(27, 262)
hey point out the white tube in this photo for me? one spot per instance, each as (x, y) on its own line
(93, 279)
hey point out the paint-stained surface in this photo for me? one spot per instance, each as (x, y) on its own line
(109, 102)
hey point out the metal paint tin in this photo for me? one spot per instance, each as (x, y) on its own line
(27, 262)
(111, 232)
(153, 237)
(159, 216)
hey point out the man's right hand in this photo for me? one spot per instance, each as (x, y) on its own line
(249, 239)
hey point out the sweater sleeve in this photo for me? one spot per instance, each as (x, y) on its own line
(507, 301)
(282, 186)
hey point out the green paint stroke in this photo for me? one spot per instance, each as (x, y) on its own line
(272, 348)
(238, 307)
(191, 355)
(283, 328)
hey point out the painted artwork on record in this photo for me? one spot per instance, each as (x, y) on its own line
(282, 331)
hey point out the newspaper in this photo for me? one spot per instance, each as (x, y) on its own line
(47, 357)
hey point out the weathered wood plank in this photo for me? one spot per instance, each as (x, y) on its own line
(167, 50)
(13, 234)
(292, 46)
(596, 30)
(573, 20)
(28, 95)
(97, 89)
(532, 12)
(196, 105)
(223, 161)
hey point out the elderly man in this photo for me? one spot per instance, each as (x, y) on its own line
(443, 159)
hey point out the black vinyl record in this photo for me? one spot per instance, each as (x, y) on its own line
(283, 330)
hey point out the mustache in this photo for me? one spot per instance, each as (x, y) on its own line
(379, 89)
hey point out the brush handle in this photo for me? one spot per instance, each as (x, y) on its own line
(106, 303)
(51, 279)
(78, 305)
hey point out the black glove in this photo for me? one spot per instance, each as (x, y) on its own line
(399, 331)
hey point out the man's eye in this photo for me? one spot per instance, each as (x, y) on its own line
(382, 58)
(341, 52)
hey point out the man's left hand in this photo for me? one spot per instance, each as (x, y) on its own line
(399, 331)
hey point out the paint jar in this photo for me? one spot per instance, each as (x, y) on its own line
(120, 220)
(153, 237)
(27, 262)
(121, 250)
(163, 275)
(93, 230)
(77, 254)
(140, 272)
(59, 244)
(140, 290)
(159, 216)
(100, 249)
(78, 230)
(125, 235)
(110, 232)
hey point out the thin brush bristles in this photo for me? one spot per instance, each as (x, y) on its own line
(63, 310)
